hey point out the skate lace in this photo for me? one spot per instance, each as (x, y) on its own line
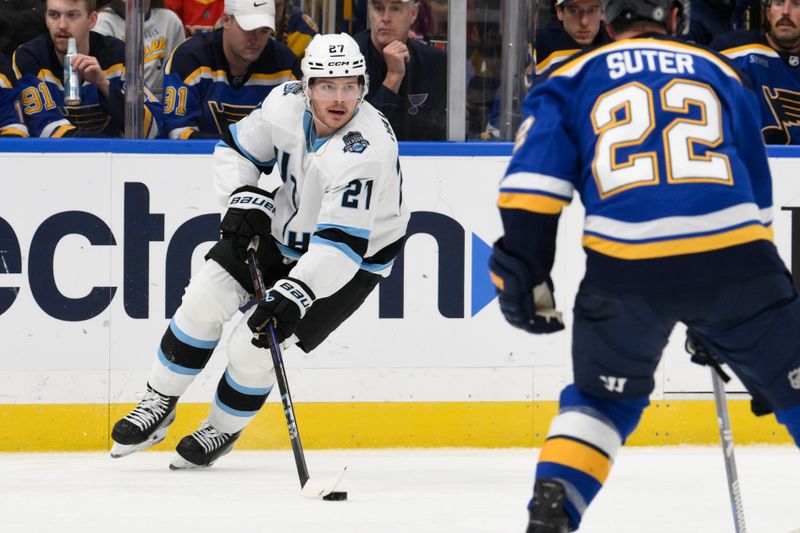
(151, 409)
(209, 437)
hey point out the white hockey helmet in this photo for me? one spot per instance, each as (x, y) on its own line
(334, 56)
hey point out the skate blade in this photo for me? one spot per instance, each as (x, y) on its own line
(121, 450)
(179, 463)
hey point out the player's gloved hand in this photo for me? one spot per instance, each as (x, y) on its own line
(524, 305)
(284, 304)
(250, 212)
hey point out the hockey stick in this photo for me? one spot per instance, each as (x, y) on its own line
(310, 488)
(701, 355)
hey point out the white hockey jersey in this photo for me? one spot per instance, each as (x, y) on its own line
(162, 32)
(340, 206)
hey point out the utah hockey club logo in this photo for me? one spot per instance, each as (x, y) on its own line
(613, 383)
(794, 378)
(354, 142)
(292, 88)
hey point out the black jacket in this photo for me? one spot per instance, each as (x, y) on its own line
(418, 112)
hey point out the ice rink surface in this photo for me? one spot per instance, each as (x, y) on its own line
(650, 490)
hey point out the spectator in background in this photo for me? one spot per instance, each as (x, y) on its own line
(216, 78)
(710, 19)
(39, 67)
(20, 21)
(11, 121)
(197, 15)
(578, 25)
(772, 61)
(407, 79)
(162, 31)
(295, 28)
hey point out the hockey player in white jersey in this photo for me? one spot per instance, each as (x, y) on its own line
(329, 234)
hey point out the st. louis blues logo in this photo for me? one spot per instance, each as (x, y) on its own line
(354, 142)
(794, 378)
(416, 100)
(292, 88)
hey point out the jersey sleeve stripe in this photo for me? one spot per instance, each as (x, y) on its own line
(558, 188)
(357, 244)
(672, 247)
(18, 130)
(5, 83)
(115, 71)
(533, 202)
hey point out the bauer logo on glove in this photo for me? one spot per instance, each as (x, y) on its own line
(284, 304)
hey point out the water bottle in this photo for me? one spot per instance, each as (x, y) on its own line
(72, 81)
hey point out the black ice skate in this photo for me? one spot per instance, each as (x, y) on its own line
(202, 448)
(547, 510)
(146, 425)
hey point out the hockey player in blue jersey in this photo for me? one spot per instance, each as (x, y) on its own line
(329, 234)
(661, 140)
(217, 78)
(11, 121)
(100, 61)
(772, 61)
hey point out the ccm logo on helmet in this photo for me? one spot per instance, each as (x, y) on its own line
(338, 63)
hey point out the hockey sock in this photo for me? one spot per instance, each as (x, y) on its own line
(236, 403)
(581, 445)
(180, 359)
(791, 419)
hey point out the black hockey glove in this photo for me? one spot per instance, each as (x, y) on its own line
(250, 212)
(524, 305)
(284, 304)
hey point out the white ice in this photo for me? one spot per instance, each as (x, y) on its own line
(650, 490)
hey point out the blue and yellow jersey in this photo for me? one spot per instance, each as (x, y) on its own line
(201, 98)
(299, 32)
(776, 79)
(11, 121)
(40, 75)
(662, 142)
(554, 45)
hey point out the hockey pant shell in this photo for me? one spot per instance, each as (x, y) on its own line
(618, 340)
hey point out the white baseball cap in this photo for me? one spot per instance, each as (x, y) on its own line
(252, 14)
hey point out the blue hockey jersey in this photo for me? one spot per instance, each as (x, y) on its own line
(776, 80)
(202, 98)
(41, 74)
(11, 122)
(661, 141)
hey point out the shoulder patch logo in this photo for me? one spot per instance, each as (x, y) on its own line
(293, 88)
(354, 142)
